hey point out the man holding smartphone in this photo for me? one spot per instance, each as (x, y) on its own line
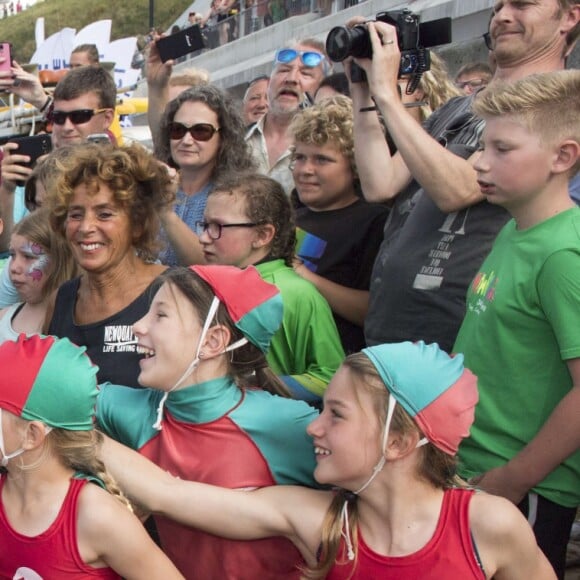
(83, 104)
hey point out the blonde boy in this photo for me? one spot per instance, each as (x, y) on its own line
(521, 332)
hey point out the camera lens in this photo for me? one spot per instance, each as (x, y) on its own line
(342, 42)
(338, 43)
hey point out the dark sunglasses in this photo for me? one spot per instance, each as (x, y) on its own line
(199, 131)
(77, 117)
(308, 58)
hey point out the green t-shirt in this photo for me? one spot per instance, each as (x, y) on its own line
(521, 326)
(306, 351)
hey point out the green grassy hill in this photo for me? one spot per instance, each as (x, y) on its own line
(130, 18)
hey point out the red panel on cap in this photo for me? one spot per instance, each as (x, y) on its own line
(231, 285)
(17, 378)
(447, 420)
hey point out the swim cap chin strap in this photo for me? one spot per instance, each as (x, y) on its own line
(376, 470)
(208, 321)
(6, 457)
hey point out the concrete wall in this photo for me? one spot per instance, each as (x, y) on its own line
(232, 66)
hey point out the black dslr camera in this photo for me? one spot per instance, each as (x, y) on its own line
(412, 37)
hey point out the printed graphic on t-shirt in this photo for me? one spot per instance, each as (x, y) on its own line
(309, 248)
(483, 290)
(119, 338)
(431, 274)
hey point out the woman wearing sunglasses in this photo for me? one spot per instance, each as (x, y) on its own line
(202, 136)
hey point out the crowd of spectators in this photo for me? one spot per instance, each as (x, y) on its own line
(372, 285)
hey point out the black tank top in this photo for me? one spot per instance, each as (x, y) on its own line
(110, 343)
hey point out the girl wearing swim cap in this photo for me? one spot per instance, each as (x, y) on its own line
(210, 412)
(62, 515)
(393, 418)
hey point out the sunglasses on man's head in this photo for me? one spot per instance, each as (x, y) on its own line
(77, 117)
(308, 58)
(199, 131)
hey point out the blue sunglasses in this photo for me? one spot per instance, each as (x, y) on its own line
(308, 58)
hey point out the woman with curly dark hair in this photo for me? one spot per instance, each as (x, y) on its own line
(106, 203)
(202, 136)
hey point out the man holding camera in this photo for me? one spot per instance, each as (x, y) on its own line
(441, 228)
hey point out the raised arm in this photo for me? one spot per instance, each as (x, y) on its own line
(447, 178)
(184, 241)
(381, 176)
(11, 170)
(24, 85)
(289, 511)
(158, 74)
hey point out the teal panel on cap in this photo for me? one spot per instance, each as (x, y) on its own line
(65, 391)
(415, 373)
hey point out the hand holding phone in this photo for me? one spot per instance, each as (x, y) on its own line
(20, 155)
(5, 56)
(179, 44)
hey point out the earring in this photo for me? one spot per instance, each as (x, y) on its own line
(201, 355)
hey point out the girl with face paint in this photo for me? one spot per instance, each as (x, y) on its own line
(394, 416)
(212, 410)
(41, 262)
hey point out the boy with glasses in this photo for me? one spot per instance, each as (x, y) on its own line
(473, 76)
(298, 70)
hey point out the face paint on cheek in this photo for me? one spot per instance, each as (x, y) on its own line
(37, 267)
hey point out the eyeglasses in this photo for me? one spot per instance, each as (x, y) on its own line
(308, 58)
(214, 230)
(77, 117)
(199, 131)
(473, 83)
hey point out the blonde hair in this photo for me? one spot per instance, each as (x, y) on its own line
(36, 228)
(190, 77)
(547, 104)
(437, 86)
(329, 122)
(79, 450)
(434, 466)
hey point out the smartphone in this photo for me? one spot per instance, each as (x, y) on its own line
(34, 146)
(99, 138)
(180, 43)
(6, 54)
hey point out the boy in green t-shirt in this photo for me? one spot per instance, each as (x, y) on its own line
(521, 332)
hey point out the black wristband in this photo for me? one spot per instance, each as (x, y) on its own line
(46, 104)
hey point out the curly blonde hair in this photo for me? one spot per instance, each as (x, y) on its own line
(140, 185)
(328, 122)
